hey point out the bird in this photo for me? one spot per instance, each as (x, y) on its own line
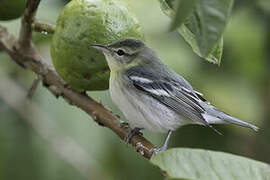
(153, 97)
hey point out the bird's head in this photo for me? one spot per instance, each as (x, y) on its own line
(125, 53)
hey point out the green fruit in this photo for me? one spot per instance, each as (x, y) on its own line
(11, 9)
(80, 24)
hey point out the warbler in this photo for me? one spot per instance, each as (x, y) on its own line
(153, 97)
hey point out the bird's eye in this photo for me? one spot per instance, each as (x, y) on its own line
(120, 52)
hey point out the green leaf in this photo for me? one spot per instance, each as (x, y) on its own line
(197, 164)
(167, 7)
(264, 5)
(216, 54)
(182, 11)
(203, 29)
(208, 23)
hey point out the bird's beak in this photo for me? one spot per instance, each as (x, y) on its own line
(103, 48)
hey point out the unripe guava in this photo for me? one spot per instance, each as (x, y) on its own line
(11, 9)
(80, 24)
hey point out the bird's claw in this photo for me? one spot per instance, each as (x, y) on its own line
(131, 133)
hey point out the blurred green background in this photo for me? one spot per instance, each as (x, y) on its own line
(50, 139)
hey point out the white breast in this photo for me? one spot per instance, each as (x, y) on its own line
(142, 110)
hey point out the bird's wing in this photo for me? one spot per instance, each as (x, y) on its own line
(169, 92)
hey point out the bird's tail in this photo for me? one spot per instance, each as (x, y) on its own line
(229, 119)
(215, 116)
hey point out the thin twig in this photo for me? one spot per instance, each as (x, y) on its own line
(43, 27)
(27, 20)
(33, 88)
(24, 52)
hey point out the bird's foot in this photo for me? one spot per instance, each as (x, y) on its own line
(165, 145)
(159, 150)
(131, 133)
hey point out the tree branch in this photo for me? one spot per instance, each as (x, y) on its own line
(33, 88)
(23, 52)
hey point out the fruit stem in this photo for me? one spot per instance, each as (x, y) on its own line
(43, 28)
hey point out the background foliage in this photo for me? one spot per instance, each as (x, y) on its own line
(240, 86)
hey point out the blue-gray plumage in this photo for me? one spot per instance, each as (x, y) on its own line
(153, 97)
